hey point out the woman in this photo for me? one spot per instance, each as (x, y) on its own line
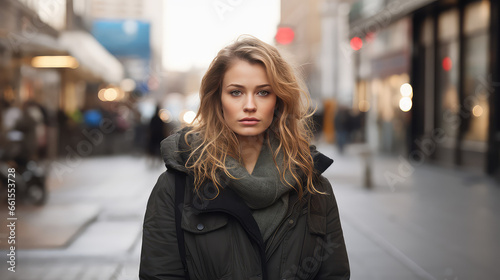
(251, 201)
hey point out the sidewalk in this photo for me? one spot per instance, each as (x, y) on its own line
(99, 205)
(433, 223)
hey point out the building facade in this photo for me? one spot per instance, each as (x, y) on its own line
(48, 58)
(429, 72)
(320, 49)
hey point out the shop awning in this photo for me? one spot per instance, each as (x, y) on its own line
(33, 44)
(393, 11)
(92, 55)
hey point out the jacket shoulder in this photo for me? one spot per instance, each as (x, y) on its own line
(164, 189)
(320, 206)
(321, 161)
(160, 251)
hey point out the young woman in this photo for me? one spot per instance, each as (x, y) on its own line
(243, 196)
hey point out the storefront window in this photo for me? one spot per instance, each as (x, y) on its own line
(391, 119)
(448, 105)
(427, 72)
(476, 75)
(384, 65)
(476, 88)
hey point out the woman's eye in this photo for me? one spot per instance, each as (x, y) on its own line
(235, 93)
(263, 93)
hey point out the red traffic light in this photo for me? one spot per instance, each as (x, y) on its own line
(356, 43)
(447, 63)
(284, 35)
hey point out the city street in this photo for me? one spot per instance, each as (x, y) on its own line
(434, 223)
(404, 95)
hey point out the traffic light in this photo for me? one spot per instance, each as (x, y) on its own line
(285, 35)
(356, 43)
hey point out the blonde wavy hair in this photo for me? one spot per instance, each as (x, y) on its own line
(290, 126)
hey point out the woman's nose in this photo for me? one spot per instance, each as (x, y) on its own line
(250, 105)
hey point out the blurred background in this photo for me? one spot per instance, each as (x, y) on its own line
(407, 104)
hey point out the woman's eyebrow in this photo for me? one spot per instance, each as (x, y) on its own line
(264, 85)
(240, 86)
(235, 85)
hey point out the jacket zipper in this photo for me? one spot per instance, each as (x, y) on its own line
(271, 241)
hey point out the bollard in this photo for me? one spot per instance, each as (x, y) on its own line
(368, 174)
(366, 155)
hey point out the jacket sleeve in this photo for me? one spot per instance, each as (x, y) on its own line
(335, 263)
(160, 258)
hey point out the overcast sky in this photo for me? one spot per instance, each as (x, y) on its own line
(195, 30)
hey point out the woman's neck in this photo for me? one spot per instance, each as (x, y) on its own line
(250, 147)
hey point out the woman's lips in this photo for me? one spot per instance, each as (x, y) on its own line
(249, 121)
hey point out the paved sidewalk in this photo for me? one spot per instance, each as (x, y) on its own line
(105, 247)
(434, 223)
(49, 226)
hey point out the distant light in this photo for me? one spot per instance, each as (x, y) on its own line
(447, 63)
(405, 104)
(101, 94)
(477, 111)
(370, 36)
(364, 106)
(121, 94)
(61, 61)
(188, 116)
(165, 115)
(406, 90)
(110, 94)
(127, 84)
(284, 35)
(356, 43)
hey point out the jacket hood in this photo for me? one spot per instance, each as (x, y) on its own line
(175, 153)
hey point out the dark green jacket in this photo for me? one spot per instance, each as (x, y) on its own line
(223, 241)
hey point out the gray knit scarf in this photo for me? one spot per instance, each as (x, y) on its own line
(262, 191)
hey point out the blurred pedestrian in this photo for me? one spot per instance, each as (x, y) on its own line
(92, 118)
(11, 138)
(156, 134)
(63, 131)
(39, 114)
(243, 196)
(26, 125)
(10, 115)
(342, 127)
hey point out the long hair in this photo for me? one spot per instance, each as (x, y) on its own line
(216, 141)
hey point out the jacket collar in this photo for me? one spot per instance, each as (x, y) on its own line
(321, 162)
(229, 202)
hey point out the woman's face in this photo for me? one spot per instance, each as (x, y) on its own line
(247, 98)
